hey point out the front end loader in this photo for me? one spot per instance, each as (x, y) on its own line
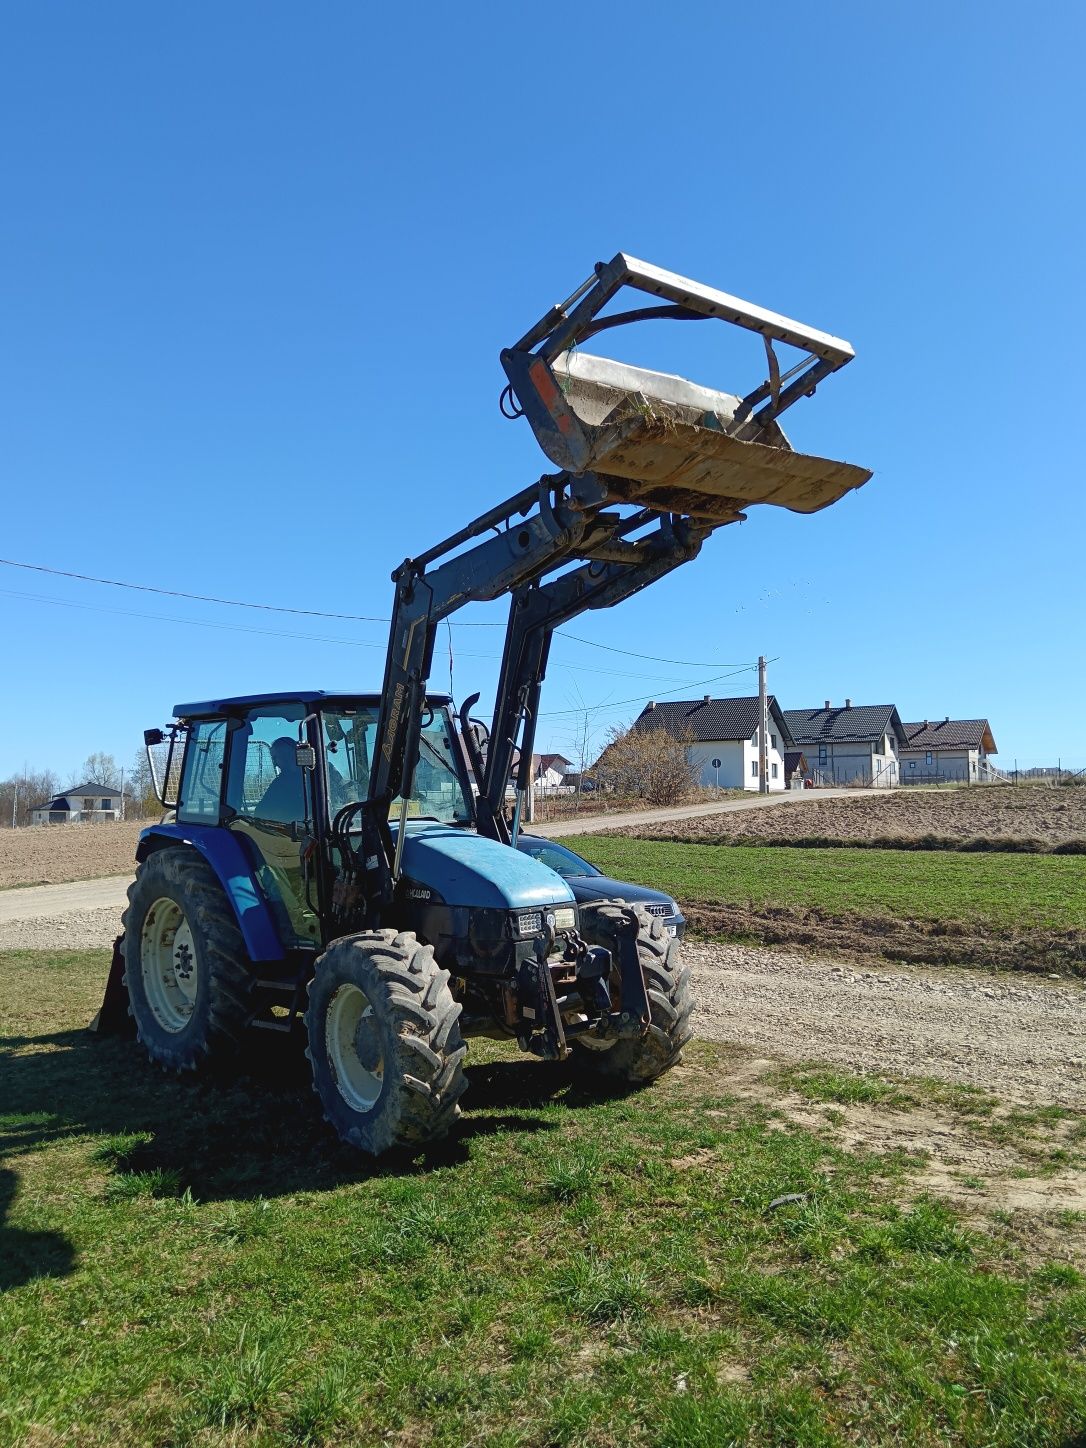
(346, 864)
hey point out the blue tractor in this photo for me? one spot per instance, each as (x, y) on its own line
(346, 864)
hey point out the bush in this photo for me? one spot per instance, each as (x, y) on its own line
(652, 764)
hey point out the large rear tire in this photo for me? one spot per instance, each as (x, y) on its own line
(384, 1041)
(671, 1001)
(190, 984)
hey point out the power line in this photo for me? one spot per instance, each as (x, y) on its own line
(649, 658)
(640, 698)
(280, 633)
(315, 613)
(194, 597)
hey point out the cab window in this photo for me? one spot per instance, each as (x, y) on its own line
(201, 776)
(265, 781)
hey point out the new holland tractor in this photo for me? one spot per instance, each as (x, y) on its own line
(345, 863)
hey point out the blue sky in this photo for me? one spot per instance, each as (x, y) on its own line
(257, 263)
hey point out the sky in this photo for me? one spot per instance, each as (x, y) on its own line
(258, 261)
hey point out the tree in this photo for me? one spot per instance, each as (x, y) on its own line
(101, 769)
(20, 793)
(652, 764)
(139, 789)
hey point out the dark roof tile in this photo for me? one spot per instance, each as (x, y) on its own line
(950, 734)
(708, 720)
(855, 723)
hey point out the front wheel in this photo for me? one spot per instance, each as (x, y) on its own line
(671, 1001)
(384, 1041)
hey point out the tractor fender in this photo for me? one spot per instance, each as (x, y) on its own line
(226, 855)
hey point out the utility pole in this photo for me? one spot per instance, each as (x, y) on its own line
(15, 803)
(763, 729)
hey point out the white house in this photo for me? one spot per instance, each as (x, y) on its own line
(957, 749)
(549, 770)
(88, 803)
(855, 744)
(723, 738)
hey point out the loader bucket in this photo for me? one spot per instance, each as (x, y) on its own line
(658, 440)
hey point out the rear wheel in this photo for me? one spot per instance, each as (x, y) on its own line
(188, 976)
(384, 1041)
(671, 1002)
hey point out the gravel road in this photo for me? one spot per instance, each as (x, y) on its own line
(631, 819)
(1024, 1038)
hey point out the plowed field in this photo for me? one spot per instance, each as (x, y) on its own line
(1032, 816)
(54, 854)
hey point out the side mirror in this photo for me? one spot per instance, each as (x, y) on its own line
(153, 736)
(305, 756)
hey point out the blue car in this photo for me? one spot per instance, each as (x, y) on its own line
(589, 884)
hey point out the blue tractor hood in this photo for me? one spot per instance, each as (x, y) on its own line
(464, 868)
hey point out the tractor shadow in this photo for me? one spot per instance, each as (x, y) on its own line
(25, 1255)
(256, 1131)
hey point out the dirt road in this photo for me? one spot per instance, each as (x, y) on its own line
(593, 824)
(1023, 1038)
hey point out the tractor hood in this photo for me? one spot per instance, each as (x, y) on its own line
(464, 868)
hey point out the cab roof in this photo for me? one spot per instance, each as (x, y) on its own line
(317, 697)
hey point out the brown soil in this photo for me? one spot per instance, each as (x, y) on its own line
(1031, 817)
(915, 942)
(55, 854)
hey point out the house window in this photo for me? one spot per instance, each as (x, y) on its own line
(773, 741)
(822, 754)
(927, 757)
(773, 770)
(754, 769)
(912, 763)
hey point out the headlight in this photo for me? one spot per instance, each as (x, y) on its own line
(527, 922)
(565, 918)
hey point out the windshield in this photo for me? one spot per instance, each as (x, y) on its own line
(348, 748)
(557, 858)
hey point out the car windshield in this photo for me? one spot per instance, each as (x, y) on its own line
(557, 858)
(348, 747)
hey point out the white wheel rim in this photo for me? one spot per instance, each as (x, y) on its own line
(169, 965)
(354, 1048)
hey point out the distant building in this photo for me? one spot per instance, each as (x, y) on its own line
(87, 803)
(948, 749)
(549, 770)
(856, 744)
(723, 738)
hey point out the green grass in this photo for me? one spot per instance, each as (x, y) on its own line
(1002, 891)
(568, 1270)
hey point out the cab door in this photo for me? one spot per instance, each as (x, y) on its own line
(269, 800)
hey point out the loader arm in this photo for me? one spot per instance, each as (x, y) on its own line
(536, 610)
(558, 522)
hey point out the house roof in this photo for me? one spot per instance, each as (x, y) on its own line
(93, 789)
(851, 724)
(950, 734)
(547, 761)
(709, 720)
(794, 759)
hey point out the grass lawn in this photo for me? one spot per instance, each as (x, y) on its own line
(198, 1263)
(1000, 891)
